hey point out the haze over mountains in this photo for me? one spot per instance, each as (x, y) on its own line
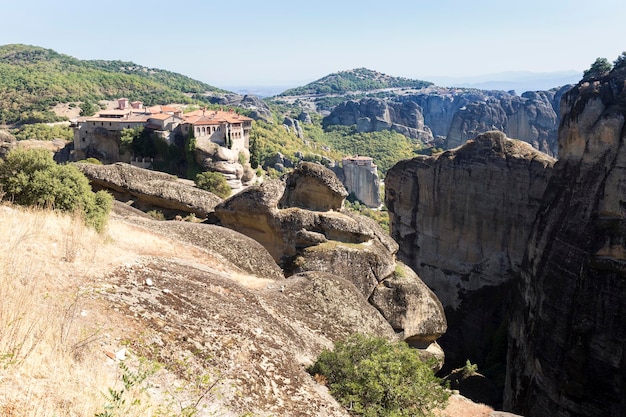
(520, 81)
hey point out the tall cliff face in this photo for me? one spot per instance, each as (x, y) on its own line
(374, 114)
(450, 117)
(462, 220)
(567, 335)
(360, 177)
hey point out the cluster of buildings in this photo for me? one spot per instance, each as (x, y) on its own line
(98, 134)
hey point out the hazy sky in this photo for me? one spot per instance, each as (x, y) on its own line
(276, 42)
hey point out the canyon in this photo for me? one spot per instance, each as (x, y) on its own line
(527, 253)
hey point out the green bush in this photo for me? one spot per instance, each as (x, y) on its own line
(213, 182)
(373, 377)
(32, 178)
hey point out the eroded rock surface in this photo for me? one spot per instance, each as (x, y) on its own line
(147, 189)
(462, 220)
(567, 333)
(301, 224)
(448, 117)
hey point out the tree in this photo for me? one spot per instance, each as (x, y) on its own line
(129, 139)
(32, 178)
(255, 152)
(88, 108)
(599, 68)
(620, 61)
(373, 377)
(213, 182)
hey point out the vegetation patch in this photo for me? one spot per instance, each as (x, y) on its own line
(32, 178)
(373, 377)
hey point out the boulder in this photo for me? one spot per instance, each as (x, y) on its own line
(313, 187)
(365, 265)
(237, 251)
(150, 190)
(410, 307)
(328, 305)
(305, 235)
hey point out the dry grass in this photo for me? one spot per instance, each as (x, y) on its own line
(54, 329)
(57, 332)
(459, 406)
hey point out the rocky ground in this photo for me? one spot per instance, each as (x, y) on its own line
(210, 335)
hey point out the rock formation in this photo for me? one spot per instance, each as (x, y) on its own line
(447, 117)
(531, 118)
(462, 220)
(568, 329)
(216, 158)
(147, 190)
(293, 125)
(360, 177)
(374, 114)
(257, 107)
(301, 223)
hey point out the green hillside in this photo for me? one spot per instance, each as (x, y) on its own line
(33, 79)
(360, 79)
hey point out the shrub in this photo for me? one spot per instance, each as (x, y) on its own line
(373, 377)
(32, 178)
(213, 182)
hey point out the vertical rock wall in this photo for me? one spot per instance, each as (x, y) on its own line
(362, 181)
(462, 220)
(567, 336)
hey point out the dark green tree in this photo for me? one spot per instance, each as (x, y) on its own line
(32, 178)
(599, 68)
(213, 182)
(373, 377)
(88, 108)
(620, 61)
(128, 137)
(255, 152)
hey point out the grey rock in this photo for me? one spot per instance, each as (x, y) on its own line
(462, 220)
(567, 331)
(313, 187)
(150, 189)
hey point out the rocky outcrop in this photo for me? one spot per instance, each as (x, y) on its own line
(373, 115)
(150, 190)
(293, 125)
(216, 158)
(567, 333)
(448, 117)
(532, 118)
(314, 187)
(257, 108)
(301, 224)
(462, 220)
(360, 176)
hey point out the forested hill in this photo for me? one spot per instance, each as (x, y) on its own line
(33, 79)
(360, 79)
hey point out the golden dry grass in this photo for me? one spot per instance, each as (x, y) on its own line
(55, 331)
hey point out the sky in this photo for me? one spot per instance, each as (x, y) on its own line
(291, 43)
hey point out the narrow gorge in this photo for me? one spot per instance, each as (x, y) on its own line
(528, 254)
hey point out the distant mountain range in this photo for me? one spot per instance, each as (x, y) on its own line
(34, 79)
(520, 81)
